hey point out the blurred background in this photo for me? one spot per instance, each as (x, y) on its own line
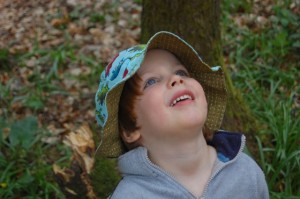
(51, 55)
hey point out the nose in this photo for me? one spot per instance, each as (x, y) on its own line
(175, 80)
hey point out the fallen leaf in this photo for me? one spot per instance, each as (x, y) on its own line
(50, 140)
(5, 133)
(82, 143)
(65, 174)
(58, 22)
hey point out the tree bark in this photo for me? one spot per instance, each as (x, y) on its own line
(198, 22)
(195, 21)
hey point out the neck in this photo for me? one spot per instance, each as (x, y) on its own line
(190, 162)
(183, 159)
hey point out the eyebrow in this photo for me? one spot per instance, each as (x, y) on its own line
(143, 72)
(145, 75)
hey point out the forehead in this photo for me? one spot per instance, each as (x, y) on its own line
(158, 58)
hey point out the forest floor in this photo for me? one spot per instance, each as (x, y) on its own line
(71, 40)
(49, 48)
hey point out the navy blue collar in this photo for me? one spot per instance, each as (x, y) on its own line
(227, 144)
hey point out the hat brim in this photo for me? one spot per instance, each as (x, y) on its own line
(212, 81)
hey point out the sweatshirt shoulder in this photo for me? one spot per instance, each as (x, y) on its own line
(244, 158)
(126, 189)
(251, 170)
(247, 162)
(254, 174)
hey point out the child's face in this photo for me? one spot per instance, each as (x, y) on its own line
(171, 101)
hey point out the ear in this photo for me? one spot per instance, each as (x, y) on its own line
(130, 137)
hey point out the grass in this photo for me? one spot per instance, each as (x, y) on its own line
(265, 64)
(36, 80)
(24, 161)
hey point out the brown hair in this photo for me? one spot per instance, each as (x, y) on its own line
(127, 116)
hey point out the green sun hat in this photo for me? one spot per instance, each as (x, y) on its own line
(125, 64)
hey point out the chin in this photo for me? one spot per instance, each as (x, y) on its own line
(194, 122)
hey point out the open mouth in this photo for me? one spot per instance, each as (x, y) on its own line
(181, 99)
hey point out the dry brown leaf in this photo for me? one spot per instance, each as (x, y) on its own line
(50, 140)
(5, 133)
(54, 130)
(71, 191)
(59, 21)
(75, 71)
(90, 191)
(55, 42)
(31, 62)
(82, 143)
(65, 174)
(4, 78)
(74, 29)
(70, 180)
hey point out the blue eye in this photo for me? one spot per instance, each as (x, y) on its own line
(182, 73)
(150, 82)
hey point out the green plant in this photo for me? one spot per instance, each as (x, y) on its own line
(280, 153)
(105, 176)
(24, 161)
(4, 58)
(265, 65)
(140, 2)
(236, 6)
(46, 76)
(97, 18)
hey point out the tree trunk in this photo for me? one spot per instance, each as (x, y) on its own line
(195, 21)
(198, 22)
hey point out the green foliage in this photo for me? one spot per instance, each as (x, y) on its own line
(23, 133)
(284, 151)
(140, 2)
(24, 158)
(236, 6)
(105, 177)
(265, 64)
(4, 58)
(24, 162)
(97, 18)
(38, 75)
(45, 78)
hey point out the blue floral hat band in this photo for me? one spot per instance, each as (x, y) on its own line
(125, 65)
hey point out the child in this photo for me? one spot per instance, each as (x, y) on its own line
(158, 105)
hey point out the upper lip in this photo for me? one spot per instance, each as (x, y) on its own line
(182, 93)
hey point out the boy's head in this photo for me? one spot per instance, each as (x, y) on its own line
(160, 102)
(147, 68)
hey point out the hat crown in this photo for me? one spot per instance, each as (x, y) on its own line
(122, 67)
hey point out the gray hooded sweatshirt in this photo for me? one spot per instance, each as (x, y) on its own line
(235, 175)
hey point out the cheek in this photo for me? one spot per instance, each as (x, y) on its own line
(201, 95)
(149, 108)
(198, 89)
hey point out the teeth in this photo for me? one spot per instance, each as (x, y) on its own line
(180, 98)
